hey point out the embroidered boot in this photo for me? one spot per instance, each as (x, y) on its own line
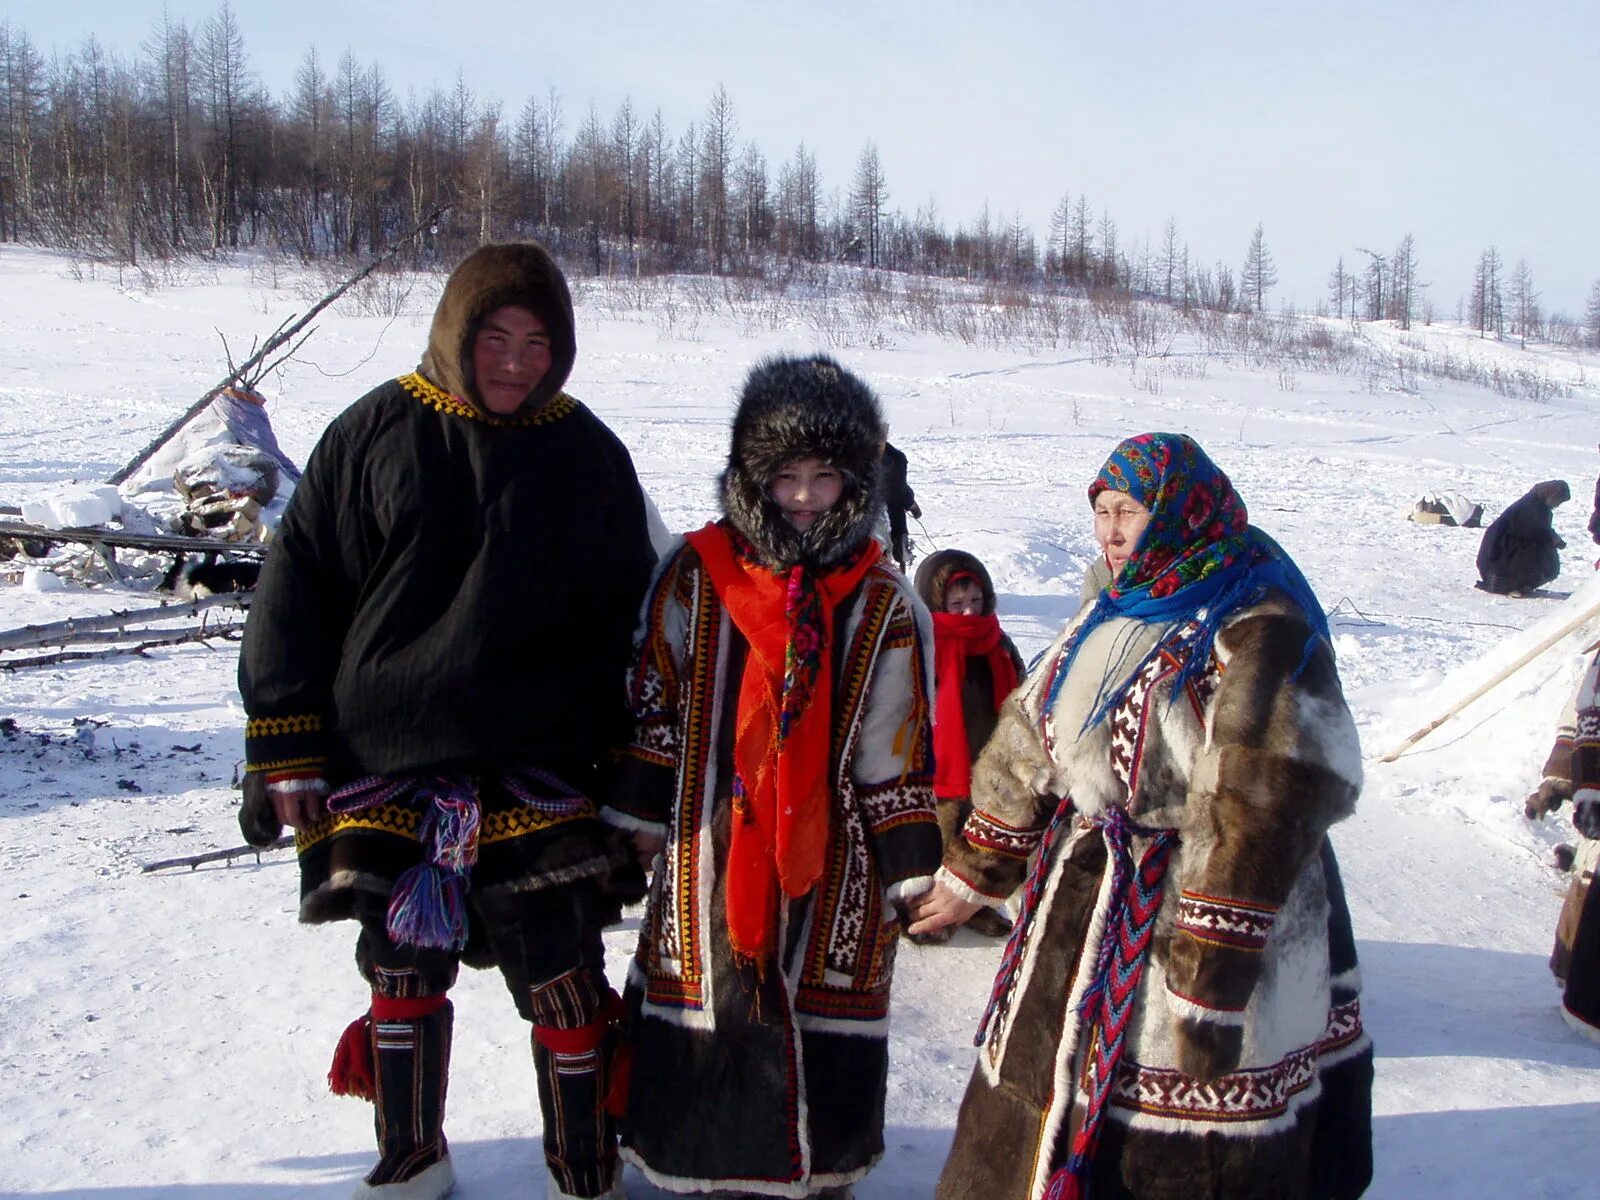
(580, 1136)
(411, 1066)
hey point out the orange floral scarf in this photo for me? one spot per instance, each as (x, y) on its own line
(783, 728)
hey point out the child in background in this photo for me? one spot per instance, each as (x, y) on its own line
(976, 667)
(779, 777)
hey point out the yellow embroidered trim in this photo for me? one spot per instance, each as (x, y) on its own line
(561, 405)
(277, 726)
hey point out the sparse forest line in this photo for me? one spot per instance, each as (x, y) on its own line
(178, 151)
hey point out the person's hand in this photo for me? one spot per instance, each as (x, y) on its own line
(915, 510)
(258, 819)
(1546, 798)
(301, 805)
(646, 846)
(938, 908)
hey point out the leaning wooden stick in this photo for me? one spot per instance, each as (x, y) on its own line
(281, 337)
(1565, 631)
(194, 860)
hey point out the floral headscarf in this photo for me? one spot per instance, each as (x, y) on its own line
(1198, 524)
(1198, 559)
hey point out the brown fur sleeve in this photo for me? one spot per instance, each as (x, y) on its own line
(1281, 765)
(1009, 811)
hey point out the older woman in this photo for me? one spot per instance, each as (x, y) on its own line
(1176, 1014)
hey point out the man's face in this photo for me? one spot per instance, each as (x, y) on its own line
(510, 355)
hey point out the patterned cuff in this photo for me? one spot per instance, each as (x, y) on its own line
(989, 833)
(290, 746)
(1214, 921)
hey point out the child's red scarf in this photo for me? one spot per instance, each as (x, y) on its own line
(783, 729)
(956, 638)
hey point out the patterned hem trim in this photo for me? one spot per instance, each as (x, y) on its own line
(260, 727)
(1257, 1094)
(964, 890)
(559, 406)
(1237, 924)
(1194, 1010)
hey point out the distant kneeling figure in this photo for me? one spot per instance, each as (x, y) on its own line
(1520, 550)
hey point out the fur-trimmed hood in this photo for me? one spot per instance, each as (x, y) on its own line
(936, 571)
(792, 408)
(489, 278)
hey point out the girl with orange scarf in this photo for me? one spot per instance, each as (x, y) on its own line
(976, 666)
(780, 780)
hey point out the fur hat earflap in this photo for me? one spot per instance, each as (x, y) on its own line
(492, 277)
(794, 408)
(935, 573)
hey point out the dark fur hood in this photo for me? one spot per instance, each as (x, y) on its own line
(489, 278)
(935, 571)
(792, 408)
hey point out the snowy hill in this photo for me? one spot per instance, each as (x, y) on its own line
(167, 1035)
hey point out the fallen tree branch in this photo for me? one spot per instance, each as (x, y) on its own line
(58, 632)
(227, 633)
(133, 541)
(194, 860)
(283, 335)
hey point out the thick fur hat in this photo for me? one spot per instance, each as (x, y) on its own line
(936, 571)
(792, 408)
(489, 278)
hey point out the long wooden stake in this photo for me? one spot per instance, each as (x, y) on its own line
(279, 338)
(1565, 631)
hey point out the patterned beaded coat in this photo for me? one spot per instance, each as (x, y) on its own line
(769, 1077)
(1242, 1070)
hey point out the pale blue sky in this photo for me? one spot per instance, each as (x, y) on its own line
(1336, 125)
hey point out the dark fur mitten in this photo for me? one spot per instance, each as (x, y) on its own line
(1550, 795)
(258, 819)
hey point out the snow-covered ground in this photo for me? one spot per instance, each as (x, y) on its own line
(167, 1035)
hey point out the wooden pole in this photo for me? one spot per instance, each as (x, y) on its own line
(282, 337)
(1565, 631)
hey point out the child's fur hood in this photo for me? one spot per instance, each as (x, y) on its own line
(935, 572)
(793, 408)
(491, 277)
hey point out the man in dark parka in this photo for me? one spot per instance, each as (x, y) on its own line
(433, 673)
